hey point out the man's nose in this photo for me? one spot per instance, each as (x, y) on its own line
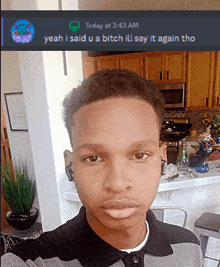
(117, 177)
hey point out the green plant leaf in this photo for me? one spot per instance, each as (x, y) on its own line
(19, 193)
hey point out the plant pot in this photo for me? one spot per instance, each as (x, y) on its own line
(22, 222)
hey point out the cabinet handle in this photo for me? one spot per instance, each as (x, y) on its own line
(218, 101)
(167, 75)
(207, 101)
(160, 75)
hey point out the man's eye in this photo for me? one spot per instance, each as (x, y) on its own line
(139, 156)
(94, 158)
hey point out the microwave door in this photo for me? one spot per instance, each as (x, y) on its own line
(174, 98)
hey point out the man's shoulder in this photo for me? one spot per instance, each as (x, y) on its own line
(172, 233)
(52, 243)
(176, 234)
(171, 245)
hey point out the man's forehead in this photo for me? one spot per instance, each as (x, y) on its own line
(112, 103)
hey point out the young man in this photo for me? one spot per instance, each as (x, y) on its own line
(113, 120)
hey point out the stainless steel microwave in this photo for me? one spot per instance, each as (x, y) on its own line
(174, 95)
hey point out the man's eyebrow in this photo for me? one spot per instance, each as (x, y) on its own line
(89, 146)
(139, 144)
(135, 145)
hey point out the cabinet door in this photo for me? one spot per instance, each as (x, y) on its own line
(88, 66)
(216, 94)
(133, 62)
(200, 80)
(153, 67)
(165, 67)
(175, 67)
(107, 62)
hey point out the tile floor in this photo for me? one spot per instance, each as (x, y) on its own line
(212, 252)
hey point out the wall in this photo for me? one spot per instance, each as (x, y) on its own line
(19, 141)
(115, 5)
(40, 75)
(18, 5)
(195, 117)
(149, 5)
(45, 86)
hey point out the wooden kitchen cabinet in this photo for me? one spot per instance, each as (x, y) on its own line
(165, 67)
(153, 67)
(200, 80)
(216, 91)
(175, 66)
(159, 67)
(107, 62)
(133, 62)
(88, 66)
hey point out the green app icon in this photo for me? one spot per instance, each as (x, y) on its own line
(74, 25)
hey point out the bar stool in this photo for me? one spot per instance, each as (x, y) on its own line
(207, 225)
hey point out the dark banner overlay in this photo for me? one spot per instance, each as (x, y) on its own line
(110, 30)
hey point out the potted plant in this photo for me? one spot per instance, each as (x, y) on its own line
(19, 191)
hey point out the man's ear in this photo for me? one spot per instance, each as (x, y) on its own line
(68, 164)
(163, 150)
(67, 157)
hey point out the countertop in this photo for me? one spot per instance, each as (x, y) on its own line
(208, 178)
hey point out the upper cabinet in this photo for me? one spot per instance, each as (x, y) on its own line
(200, 80)
(107, 62)
(160, 67)
(165, 67)
(153, 67)
(88, 66)
(216, 91)
(133, 62)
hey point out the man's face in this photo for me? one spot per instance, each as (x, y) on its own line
(116, 160)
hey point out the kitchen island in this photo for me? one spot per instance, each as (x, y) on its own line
(196, 195)
(208, 178)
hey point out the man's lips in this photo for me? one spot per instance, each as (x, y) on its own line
(119, 208)
(119, 204)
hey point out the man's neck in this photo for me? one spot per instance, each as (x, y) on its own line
(120, 239)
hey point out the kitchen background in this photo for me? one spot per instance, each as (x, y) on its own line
(199, 71)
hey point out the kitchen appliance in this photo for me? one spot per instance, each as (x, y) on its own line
(172, 132)
(174, 95)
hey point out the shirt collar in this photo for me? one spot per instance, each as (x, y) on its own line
(93, 251)
(142, 244)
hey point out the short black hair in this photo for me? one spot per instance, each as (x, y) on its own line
(108, 84)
